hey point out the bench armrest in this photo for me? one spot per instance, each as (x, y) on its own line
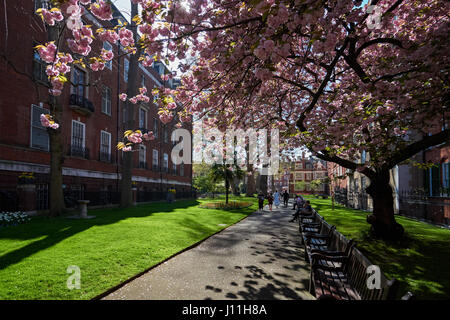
(310, 224)
(317, 256)
(315, 235)
(328, 252)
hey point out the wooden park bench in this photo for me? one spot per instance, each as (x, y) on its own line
(339, 269)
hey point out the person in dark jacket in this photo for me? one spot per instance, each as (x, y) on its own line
(261, 198)
(306, 210)
(270, 200)
(285, 198)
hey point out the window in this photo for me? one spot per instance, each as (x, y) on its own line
(363, 157)
(39, 136)
(174, 168)
(165, 134)
(37, 4)
(108, 46)
(78, 131)
(166, 162)
(182, 169)
(142, 157)
(446, 178)
(126, 67)
(39, 68)
(155, 127)
(298, 166)
(155, 159)
(106, 100)
(78, 140)
(79, 81)
(105, 146)
(124, 112)
(142, 118)
(438, 180)
(155, 97)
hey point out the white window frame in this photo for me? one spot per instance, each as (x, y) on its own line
(142, 151)
(108, 47)
(166, 160)
(145, 117)
(109, 107)
(102, 132)
(126, 67)
(156, 128)
(45, 111)
(73, 90)
(84, 133)
(155, 157)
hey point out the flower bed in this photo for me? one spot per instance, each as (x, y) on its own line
(13, 218)
(226, 206)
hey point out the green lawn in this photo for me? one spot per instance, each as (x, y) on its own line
(421, 262)
(109, 249)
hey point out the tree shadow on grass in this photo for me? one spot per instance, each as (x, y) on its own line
(55, 230)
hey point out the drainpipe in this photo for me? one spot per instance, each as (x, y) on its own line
(118, 113)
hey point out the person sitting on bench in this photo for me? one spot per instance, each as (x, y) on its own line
(298, 202)
(306, 210)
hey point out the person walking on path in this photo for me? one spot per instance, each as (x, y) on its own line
(276, 199)
(270, 200)
(261, 201)
(285, 198)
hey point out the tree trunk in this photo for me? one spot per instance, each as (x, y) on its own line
(251, 187)
(56, 196)
(126, 192)
(263, 183)
(382, 219)
(227, 186)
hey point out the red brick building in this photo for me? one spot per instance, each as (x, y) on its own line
(305, 170)
(92, 124)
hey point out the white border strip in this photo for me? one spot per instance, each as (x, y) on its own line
(40, 168)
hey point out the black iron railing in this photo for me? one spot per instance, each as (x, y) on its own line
(81, 102)
(143, 165)
(106, 157)
(77, 151)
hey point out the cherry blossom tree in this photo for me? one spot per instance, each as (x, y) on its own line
(69, 35)
(333, 76)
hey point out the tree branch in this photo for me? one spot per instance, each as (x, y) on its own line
(412, 149)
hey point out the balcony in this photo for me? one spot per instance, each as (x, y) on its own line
(143, 165)
(144, 130)
(105, 157)
(77, 151)
(81, 104)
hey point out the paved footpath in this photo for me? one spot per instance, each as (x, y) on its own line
(258, 258)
